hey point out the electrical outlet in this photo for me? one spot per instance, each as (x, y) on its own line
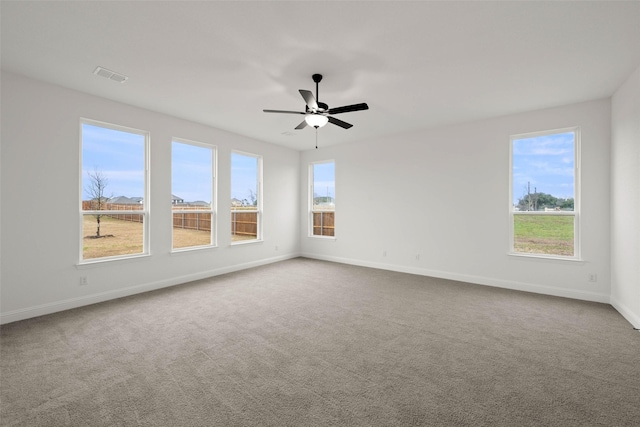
(276, 248)
(384, 252)
(417, 257)
(593, 277)
(84, 281)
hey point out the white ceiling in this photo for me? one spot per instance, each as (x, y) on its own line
(417, 64)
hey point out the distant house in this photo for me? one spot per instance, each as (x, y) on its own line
(123, 200)
(236, 203)
(97, 200)
(198, 203)
(175, 200)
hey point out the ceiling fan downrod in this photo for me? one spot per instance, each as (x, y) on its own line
(321, 105)
(317, 78)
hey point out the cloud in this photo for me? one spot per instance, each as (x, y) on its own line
(545, 145)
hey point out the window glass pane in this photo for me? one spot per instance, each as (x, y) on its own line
(191, 191)
(112, 166)
(244, 225)
(543, 172)
(113, 179)
(544, 190)
(323, 224)
(324, 186)
(323, 201)
(245, 196)
(119, 235)
(191, 229)
(544, 234)
(191, 176)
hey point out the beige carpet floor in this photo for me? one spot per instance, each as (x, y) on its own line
(312, 343)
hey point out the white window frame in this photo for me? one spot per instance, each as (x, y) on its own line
(576, 197)
(213, 197)
(311, 198)
(145, 211)
(259, 197)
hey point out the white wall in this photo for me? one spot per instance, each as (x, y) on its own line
(40, 200)
(442, 194)
(625, 199)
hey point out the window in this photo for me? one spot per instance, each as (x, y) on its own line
(544, 194)
(322, 198)
(246, 197)
(114, 211)
(192, 194)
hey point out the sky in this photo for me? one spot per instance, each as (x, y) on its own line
(547, 162)
(324, 179)
(191, 172)
(119, 156)
(244, 176)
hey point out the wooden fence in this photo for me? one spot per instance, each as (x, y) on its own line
(192, 221)
(88, 205)
(242, 223)
(131, 217)
(324, 223)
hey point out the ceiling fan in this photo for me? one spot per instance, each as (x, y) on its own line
(318, 114)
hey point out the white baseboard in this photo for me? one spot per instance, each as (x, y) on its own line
(478, 280)
(631, 317)
(54, 307)
(57, 306)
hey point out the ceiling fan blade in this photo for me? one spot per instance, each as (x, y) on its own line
(283, 111)
(348, 108)
(309, 99)
(302, 125)
(340, 123)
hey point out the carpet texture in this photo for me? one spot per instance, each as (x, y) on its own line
(312, 343)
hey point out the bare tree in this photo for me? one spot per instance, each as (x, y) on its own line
(96, 189)
(253, 198)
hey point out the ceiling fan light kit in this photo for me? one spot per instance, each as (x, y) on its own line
(316, 120)
(316, 113)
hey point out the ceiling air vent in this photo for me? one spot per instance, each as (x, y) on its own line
(111, 75)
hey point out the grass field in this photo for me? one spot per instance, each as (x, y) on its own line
(125, 238)
(543, 234)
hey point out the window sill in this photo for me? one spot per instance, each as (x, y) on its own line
(322, 237)
(246, 242)
(536, 257)
(190, 249)
(103, 261)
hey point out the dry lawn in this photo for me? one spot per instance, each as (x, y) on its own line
(119, 238)
(183, 238)
(125, 238)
